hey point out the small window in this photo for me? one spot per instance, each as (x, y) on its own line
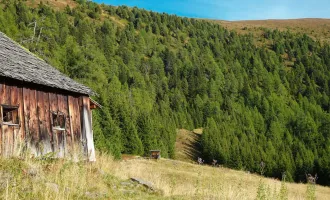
(10, 115)
(58, 121)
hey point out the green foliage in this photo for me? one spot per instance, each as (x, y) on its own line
(283, 194)
(157, 72)
(263, 192)
(311, 191)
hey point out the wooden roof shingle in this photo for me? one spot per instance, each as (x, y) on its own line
(18, 63)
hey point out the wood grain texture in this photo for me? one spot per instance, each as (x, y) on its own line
(88, 131)
(14, 130)
(44, 122)
(34, 123)
(58, 141)
(34, 129)
(61, 134)
(75, 126)
(26, 111)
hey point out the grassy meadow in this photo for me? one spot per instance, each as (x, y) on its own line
(109, 179)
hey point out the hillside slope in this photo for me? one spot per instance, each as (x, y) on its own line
(48, 178)
(318, 29)
(155, 73)
(181, 180)
(188, 145)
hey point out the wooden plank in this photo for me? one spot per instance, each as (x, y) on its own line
(71, 112)
(61, 134)
(59, 143)
(21, 131)
(14, 99)
(77, 125)
(8, 131)
(74, 111)
(5, 140)
(53, 107)
(67, 124)
(11, 137)
(16, 149)
(72, 117)
(77, 128)
(41, 118)
(83, 125)
(68, 136)
(56, 102)
(47, 114)
(43, 115)
(26, 116)
(47, 123)
(29, 118)
(34, 122)
(88, 130)
(53, 103)
(13, 96)
(6, 99)
(83, 128)
(16, 142)
(8, 140)
(2, 92)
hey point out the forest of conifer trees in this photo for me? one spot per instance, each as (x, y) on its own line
(155, 73)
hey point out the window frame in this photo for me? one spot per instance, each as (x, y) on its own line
(15, 108)
(58, 113)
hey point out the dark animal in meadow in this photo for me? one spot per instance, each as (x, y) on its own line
(214, 162)
(311, 179)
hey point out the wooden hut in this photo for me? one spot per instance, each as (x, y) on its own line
(41, 109)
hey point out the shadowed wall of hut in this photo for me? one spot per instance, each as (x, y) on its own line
(40, 120)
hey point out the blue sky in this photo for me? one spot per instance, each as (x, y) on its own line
(234, 9)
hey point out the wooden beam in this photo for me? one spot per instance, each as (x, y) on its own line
(88, 130)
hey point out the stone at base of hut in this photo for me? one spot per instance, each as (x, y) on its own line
(144, 183)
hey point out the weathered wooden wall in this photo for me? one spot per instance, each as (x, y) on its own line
(35, 133)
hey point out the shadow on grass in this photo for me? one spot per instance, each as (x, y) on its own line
(192, 147)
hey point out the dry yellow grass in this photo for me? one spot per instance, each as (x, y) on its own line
(190, 181)
(315, 28)
(109, 179)
(187, 145)
(56, 4)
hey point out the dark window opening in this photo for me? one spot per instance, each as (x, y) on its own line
(10, 115)
(58, 119)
